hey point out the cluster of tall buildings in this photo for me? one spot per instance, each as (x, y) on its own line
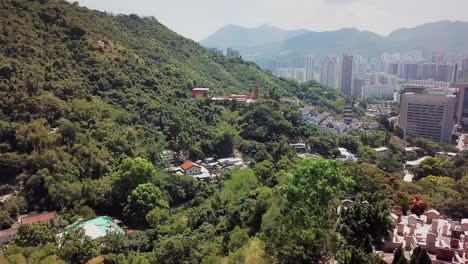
(299, 68)
(359, 77)
(422, 71)
(229, 52)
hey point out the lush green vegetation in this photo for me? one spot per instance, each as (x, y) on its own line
(89, 101)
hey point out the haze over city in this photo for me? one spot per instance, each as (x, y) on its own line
(198, 19)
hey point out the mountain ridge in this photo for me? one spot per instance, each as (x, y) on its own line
(352, 40)
(254, 36)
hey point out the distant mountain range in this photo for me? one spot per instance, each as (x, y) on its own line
(269, 41)
(240, 37)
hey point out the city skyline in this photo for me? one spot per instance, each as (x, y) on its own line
(197, 20)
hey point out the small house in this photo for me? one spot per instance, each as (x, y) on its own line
(382, 152)
(97, 227)
(300, 148)
(195, 170)
(191, 168)
(7, 235)
(47, 217)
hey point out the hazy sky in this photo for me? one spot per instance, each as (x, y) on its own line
(197, 19)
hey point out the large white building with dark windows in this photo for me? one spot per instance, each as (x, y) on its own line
(430, 116)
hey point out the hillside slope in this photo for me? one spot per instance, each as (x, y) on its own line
(81, 90)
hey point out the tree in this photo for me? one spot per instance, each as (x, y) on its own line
(438, 166)
(157, 217)
(264, 171)
(417, 205)
(34, 235)
(353, 255)
(142, 200)
(301, 229)
(114, 243)
(317, 181)
(350, 143)
(237, 238)
(5, 220)
(365, 225)
(131, 173)
(138, 241)
(41, 255)
(323, 145)
(76, 247)
(367, 154)
(226, 138)
(399, 257)
(15, 205)
(391, 164)
(378, 138)
(420, 256)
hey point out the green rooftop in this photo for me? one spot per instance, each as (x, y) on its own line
(97, 227)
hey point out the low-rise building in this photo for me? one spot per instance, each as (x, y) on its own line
(413, 163)
(204, 92)
(195, 170)
(382, 152)
(7, 235)
(345, 155)
(98, 227)
(47, 217)
(300, 148)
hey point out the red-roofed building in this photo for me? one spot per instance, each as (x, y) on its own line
(48, 217)
(191, 168)
(7, 235)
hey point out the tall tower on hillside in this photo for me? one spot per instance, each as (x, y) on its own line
(255, 93)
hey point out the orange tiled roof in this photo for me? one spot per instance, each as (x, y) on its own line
(39, 218)
(188, 164)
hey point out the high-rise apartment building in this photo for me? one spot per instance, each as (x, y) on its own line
(393, 68)
(464, 65)
(329, 72)
(428, 116)
(299, 74)
(217, 51)
(230, 52)
(309, 68)
(346, 75)
(410, 71)
(428, 71)
(358, 84)
(462, 109)
(446, 73)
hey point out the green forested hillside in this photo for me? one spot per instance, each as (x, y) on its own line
(81, 90)
(85, 89)
(104, 81)
(89, 101)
